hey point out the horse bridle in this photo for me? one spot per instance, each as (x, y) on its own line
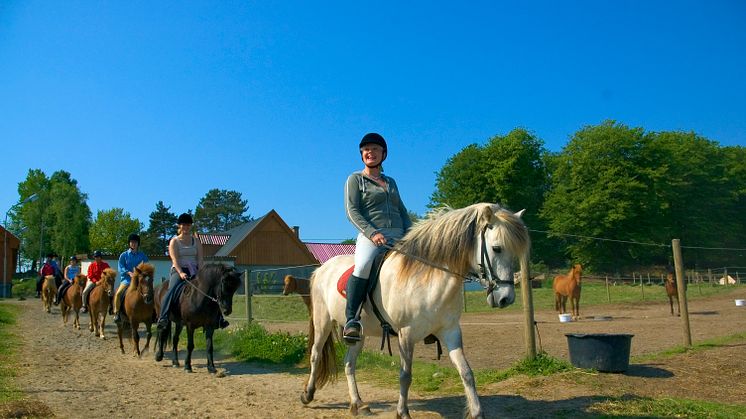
(486, 277)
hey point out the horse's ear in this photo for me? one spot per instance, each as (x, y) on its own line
(485, 215)
(519, 214)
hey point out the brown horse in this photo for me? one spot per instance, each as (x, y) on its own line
(673, 292)
(138, 306)
(300, 286)
(48, 291)
(98, 301)
(568, 286)
(73, 300)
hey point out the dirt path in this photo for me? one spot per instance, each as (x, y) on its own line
(79, 376)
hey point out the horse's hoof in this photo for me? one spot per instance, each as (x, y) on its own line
(212, 370)
(158, 356)
(305, 398)
(188, 370)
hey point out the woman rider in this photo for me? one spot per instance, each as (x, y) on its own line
(71, 270)
(374, 207)
(187, 257)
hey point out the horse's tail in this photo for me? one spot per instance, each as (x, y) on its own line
(327, 364)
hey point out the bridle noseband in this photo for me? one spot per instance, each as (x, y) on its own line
(487, 276)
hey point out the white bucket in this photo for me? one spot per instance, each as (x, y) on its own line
(740, 303)
(565, 318)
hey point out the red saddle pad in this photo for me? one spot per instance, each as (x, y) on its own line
(342, 282)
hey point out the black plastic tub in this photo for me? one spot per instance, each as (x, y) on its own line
(600, 351)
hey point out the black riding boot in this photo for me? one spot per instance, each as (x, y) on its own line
(61, 292)
(39, 283)
(120, 307)
(356, 288)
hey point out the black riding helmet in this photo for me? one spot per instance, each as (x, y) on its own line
(134, 237)
(374, 138)
(185, 218)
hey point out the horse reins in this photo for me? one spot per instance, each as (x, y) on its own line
(211, 298)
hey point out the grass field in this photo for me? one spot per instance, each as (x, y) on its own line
(8, 351)
(291, 308)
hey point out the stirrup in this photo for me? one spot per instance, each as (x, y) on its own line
(352, 332)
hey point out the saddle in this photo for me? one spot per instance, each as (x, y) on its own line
(388, 330)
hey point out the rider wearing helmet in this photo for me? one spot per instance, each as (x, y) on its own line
(374, 207)
(128, 260)
(95, 270)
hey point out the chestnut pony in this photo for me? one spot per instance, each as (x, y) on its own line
(98, 301)
(73, 300)
(300, 286)
(48, 291)
(200, 304)
(568, 286)
(138, 306)
(673, 292)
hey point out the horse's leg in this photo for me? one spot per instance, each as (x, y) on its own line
(208, 343)
(119, 332)
(134, 326)
(678, 306)
(94, 322)
(670, 303)
(175, 343)
(190, 348)
(102, 317)
(454, 344)
(320, 328)
(356, 403)
(148, 334)
(406, 352)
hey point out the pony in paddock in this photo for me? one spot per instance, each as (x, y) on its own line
(48, 291)
(419, 293)
(568, 286)
(98, 301)
(672, 292)
(301, 286)
(138, 307)
(201, 301)
(73, 300)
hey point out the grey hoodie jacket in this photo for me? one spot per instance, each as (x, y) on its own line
(371, 207)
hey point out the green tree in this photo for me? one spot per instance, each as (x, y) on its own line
(32, 220)
(601, 186)
(220, 210)
(70, 215)
(462, 181)
(110, 230)
(161, 228)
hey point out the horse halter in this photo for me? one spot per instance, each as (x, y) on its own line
(487, 276)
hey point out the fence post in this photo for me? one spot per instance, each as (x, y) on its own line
(528, 308)
(709, 276)
(608, 293)
(642, 288)
(679, 265)
(247, 293)
(725, 277)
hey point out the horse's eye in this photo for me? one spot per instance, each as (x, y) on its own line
(497, 249)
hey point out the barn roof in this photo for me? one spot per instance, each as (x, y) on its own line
(237, 234)
(214, 239)
(325, 251)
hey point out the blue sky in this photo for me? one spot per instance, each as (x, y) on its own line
(146, 101)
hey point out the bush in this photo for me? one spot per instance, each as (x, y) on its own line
(253, 343)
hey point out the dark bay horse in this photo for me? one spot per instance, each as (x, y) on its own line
(673, 292)
(138, 306)
(98, 301)
(199, 305)
(73, 300)
(568, 286)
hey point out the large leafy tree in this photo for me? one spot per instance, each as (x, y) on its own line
(110, 230)
(509, 170)
(57, 221)
(70, 215)
(161, 228)
(601, 187)
(220, 210)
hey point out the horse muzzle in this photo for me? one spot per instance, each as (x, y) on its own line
(500, 299)
(226, 309)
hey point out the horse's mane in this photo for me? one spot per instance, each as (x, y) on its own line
(143, 269)
(80, 279)
(108, 275)
(448, 237)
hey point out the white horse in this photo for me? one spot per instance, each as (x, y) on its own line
(420, 292)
